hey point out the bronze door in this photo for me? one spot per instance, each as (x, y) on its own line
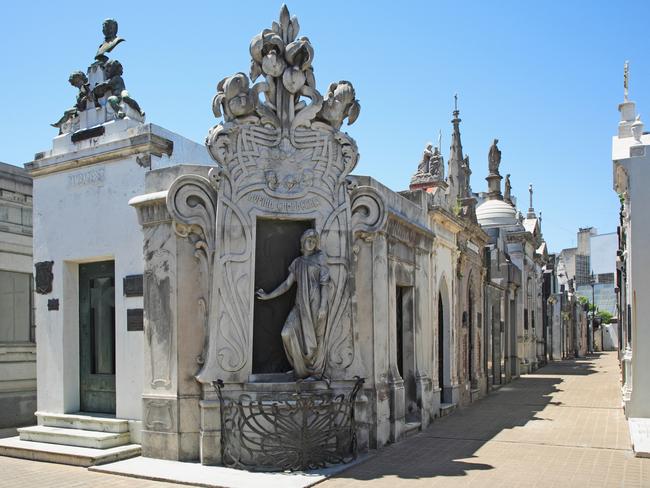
(97, 336)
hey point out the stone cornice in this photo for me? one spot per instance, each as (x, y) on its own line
(147, 144)
(151, 208)
(409, 233)
(444, 217)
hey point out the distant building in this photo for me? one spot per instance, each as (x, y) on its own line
(17, 347)
(595, 253)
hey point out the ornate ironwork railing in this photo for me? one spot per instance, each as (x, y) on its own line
(288, 431)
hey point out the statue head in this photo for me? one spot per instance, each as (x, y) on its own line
(340, 103)
(109, 28)
(496, 141)
(309, 242)
(429, 146)
(78, 79)
(272, 180)
(113, 68)
(234, 96)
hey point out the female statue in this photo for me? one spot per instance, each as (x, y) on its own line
(304, 330)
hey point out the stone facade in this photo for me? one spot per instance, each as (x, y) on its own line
(17, 347)
(630, 170)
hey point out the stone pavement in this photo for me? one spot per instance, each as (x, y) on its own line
(562, 426)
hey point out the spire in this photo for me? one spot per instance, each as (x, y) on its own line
(630, 124)
(531, 209)
(456, 150)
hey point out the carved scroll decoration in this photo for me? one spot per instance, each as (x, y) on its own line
(368, 211)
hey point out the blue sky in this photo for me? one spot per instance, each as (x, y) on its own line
(543, 77)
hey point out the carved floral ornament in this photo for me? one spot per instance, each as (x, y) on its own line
(285, 63)
(280, 154)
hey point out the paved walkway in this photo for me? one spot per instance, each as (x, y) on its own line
(562, 426)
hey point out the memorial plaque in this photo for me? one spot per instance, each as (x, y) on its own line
(84, 134)
(134, 319)
(44, 277)
(53, 304)
(133, 285)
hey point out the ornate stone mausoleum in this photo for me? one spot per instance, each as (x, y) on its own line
(253, 303)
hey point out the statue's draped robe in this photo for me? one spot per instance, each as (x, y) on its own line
(303, 334)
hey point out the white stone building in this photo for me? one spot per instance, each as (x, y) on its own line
(631, 171)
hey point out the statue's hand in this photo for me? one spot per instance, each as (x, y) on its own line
(322, 313)
(261, 294)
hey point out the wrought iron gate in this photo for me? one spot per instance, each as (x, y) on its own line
(288, 431)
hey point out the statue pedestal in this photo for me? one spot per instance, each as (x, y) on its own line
(494, 186)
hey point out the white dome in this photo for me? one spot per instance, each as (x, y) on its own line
(496, 213)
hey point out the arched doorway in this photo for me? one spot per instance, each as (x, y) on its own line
(444, 344)
(470, 334)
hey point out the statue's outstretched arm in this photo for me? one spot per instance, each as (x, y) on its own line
(281, 289)
(324, 297)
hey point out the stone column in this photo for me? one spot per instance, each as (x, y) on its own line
(174, 329)
(424, 328)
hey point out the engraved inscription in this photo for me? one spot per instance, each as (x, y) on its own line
(304, 205)
(94, 177)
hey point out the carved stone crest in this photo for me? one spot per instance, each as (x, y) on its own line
(44, 277)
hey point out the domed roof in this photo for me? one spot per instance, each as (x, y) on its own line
(496, 213)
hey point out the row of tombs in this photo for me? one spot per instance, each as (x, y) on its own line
(250, 302)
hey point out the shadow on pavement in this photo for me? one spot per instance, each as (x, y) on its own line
(447, 447)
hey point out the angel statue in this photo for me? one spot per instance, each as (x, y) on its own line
(304, 329)
(115, 89)
(79, 80)
(423, 167)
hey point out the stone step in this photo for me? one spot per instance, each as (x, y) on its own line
(447, 408)
(83, 421)
(411, 428)
(474, 395)
(74, 437)
(73, 455)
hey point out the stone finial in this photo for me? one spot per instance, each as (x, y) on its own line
(626, 80)
(531, 209)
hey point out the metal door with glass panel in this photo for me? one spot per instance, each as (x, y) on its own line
(97, 336)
